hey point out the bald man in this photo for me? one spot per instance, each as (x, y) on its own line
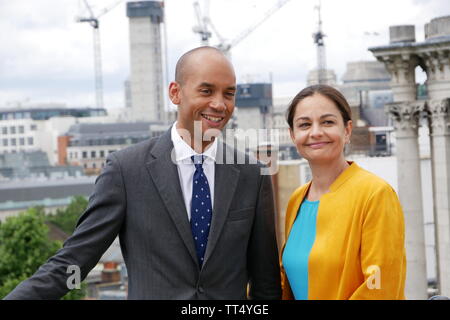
(191, 226)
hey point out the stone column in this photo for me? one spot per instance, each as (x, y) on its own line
(439, 112)
(437, 67)
(406, 120)
(405, 112)
(401, 67)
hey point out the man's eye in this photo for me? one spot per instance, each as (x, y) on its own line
(328, 122)
(205, 91)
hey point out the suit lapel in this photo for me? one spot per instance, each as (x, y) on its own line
(164, 173)
(225, 183)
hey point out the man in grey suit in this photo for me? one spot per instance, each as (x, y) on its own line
(148, 195)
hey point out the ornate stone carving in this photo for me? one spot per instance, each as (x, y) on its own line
(439, 113)
(401, 67)
(405, 114)
(436, 63)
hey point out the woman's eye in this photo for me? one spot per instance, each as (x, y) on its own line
(328, 122)
(303, 125)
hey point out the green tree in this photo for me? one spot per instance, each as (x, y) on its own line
(24, 247)
(66, 219)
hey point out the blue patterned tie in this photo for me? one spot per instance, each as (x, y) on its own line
(201, 208)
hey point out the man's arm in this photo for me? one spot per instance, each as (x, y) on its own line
(264, 270)
(95, 231)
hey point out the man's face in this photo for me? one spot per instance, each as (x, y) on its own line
(207, 93)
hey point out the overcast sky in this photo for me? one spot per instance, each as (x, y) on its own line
(46, 56)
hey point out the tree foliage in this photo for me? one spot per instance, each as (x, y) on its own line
(25, 246)
(66, 219)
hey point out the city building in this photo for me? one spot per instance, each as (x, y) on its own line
(287, 149)
(362, 77)
(253, 116)
(254, 106)
(108, 280)
(146, 81)
(329, 77)
(33, 165)
(366, 86)
(88, 144)
(37, 127)
(52, 194)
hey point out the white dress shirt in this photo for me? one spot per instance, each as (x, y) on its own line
(186, 168)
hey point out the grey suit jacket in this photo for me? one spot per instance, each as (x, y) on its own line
(138, 197)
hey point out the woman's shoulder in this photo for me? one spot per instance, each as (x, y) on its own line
(364, 179)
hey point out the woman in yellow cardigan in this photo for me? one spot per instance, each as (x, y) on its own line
(344, 228)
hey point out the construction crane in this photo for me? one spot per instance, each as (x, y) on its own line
(94, 22)
(224, 45)
(203, 21)
(320, 46)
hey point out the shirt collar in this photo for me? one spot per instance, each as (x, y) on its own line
(183, 151)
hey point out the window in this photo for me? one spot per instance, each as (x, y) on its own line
(93, 155)
(12, 130)
(84, 154)
(21, 129)
(5, 130)
(22, 141)
(30, 141)
(102, 154)
(93, 166)
(5, 142)
(33, 127)
(13, 141)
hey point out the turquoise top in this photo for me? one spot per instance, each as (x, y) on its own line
(298, 246)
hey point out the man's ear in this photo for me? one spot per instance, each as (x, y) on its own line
(174, 92)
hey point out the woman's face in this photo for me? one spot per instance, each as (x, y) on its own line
(318, 130)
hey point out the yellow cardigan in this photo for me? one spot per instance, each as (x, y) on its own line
(359, 251)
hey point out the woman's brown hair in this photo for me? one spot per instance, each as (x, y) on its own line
(325, 90)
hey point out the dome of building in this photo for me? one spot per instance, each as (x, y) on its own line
(313, 77)
(359, 71)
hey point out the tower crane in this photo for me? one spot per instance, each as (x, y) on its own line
(225, 45)
(94, 22)
(203, 21)
(320, 46)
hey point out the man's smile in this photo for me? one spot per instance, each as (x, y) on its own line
(212, 118)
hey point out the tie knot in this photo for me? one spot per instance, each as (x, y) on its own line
(198, 160)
